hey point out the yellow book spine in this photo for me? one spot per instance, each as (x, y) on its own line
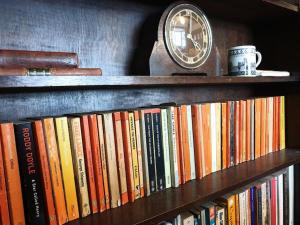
(219, 142)
(135, 164)
(231, 210)
(80, 172)
(64, 146)
(282, 122)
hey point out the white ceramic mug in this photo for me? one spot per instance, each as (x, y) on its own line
(242, 60)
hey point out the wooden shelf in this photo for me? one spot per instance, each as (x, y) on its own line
(50, 82)
(168, 203)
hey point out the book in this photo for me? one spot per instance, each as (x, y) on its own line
(173, 146)
(79, 166)
(139, 151)
(128, 158)
(252, 129)
(191, 141)
(37, 59)
(231, 130)
(218, 137)
(134, 155)
(272, 73)
(197, 216)
(231, 210)
(103, 161)
(206, 117)
(264, 202)
(213, 123)
(220, 215)
(237, 129)
(30, 174)
(88, 157)
(198, 140)
(286, 197)
(4, 210)
(179, 146)
(225, 134)
(258, 129)
(185, 218)
(94, 137)
(11, 168)
(274, 204)
(263, 148)
(41, 150)
(248, 130)
(120, 157)
(55, 171)
(64, 147)
(53, 71)
(165, 141)
(243, 131)
(242, 208)
(115, 199)
(253, 204)
(280, 199)
(282, 122)
(158, 153)
(259, 205)
(269, 128)
(291, 194)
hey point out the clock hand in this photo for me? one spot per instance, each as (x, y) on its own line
(190, 23)
(195, 43)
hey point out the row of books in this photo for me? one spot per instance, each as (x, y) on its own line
(42, 63)
(76, 165)
(270, 202)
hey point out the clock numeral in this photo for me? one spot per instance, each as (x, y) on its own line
(190, 60)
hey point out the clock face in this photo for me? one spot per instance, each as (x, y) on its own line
(188, 36)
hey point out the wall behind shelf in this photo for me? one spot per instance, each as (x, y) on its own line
(110, 34)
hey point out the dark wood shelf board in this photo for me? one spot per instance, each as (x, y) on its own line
(49, 82)
(168, 203)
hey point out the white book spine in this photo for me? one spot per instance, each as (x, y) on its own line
(280, 199)
(164, 126)
(144, 152)
(264, 202)
(191, 142)
(291, 195)
(173, 148)
(213, 137)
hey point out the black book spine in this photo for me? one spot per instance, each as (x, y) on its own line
(150, 152)
(286, 198)
(259, 206)
(30, 174)
(159, 156)
(232, 122)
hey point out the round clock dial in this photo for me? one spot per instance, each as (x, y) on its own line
(188, 36)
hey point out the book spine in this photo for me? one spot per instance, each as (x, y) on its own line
(55, 171)
(253, 205)
(185, 144)
(159, 157)
(45, 171)
(252, 129)
(231, 130)
(282, 122)
(259, 205)
(135, 163)
(291, 195)
(37, 59)
(248, 130)
(263, 126)
(264, 203)
(243, 130)
(4, 210)
(242, 208)
(64, 146)
(30, 174)
(206, 115)
(237, 209)
(94, 137)
(191, 141)
(213, 122)
(270, 125)
(274, 201)
(212, 215)
(197, 140)
(128, 156)
(173, 146)
(218, 134)
(103, 160)
(87, 149)
(79, 166)
(231, 210)
(257, 127)
(11, 165)
(139, 152)
(144, 152)
(286, 198)
(165, 140)
(224, 135)
(280, 199)
(115, 199)
(237, 128)
(180, 149)
(120, 157)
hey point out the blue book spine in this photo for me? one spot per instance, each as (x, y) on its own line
(253, 205)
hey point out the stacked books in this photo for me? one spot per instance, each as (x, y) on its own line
(37, 63)
(57, 169)
(267, 203)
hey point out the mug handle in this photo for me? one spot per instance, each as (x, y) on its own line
(259, 58)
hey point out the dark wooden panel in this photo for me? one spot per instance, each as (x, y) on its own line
(167, 204)
(30, 103)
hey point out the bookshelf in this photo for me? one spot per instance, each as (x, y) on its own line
(23, 97)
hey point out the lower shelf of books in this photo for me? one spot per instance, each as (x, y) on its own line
(168, 203)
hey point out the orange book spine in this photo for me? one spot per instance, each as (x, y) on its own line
(94, 137)
(257, 128)
(185, 141)
(224, 135)
(197, 140)
(103, 160)
(45, 171)
(268, 125)
(88, 158)
(237, 132)
(243, 131)
(178, 143)
(128, 155)
(4, 210)
(55, 171)
(248, 130)
(11, 165)
(228, 128)
(120, 157)
(139, 151)
(263, 126)
(276, 124)
(207, 137)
